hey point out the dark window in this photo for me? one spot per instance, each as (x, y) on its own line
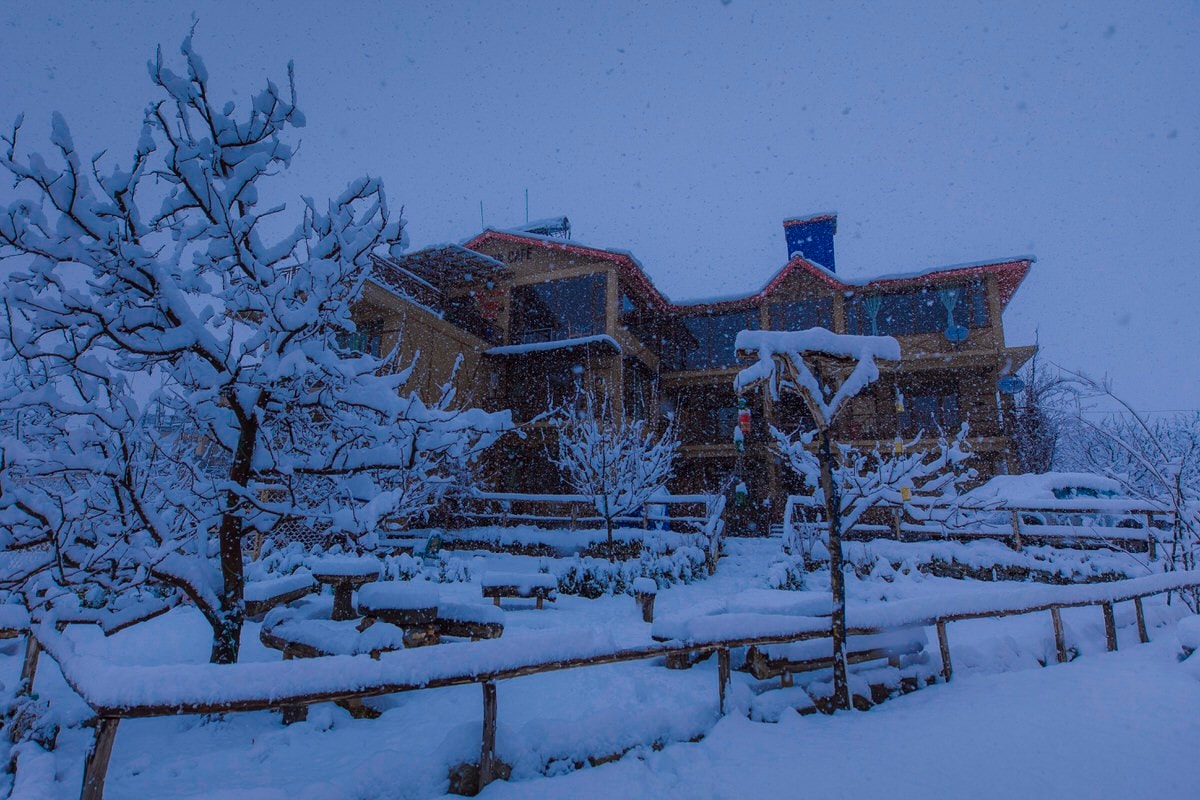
(798, 315)
(919, 311)
(707, 415)
(930, 412)
(640, 320)
(367, 340)
(639, 389)
(707, 340)
(562, 309)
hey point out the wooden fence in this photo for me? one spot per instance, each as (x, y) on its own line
(123, 692)
(1093, 522)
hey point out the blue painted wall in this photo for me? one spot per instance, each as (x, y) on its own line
(813, 239)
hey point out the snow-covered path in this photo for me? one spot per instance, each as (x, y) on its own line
(1120, 725)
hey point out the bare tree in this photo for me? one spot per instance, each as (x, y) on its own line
(620, 464)
(1154, 459)
(1043, 409)
(182, 382)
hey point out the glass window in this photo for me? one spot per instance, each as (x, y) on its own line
(919, 311)
(797, 315)
(562, 309)
(930, 412)
(639, 320)
(709, 339)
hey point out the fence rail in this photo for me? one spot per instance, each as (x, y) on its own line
(124, 692)
(1095, 522)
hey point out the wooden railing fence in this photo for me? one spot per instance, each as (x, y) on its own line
(120, 692)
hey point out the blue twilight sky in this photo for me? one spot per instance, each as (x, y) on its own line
(941, 133)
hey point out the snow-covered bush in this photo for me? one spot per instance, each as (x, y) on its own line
(594, 577)
(178, 380)
(789, 574)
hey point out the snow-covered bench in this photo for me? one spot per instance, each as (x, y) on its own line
(535, 585)
(262, 596)
(783, 660)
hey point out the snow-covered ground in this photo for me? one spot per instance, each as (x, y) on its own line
(1106, 725)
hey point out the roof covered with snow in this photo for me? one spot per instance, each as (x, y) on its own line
(1008, 272)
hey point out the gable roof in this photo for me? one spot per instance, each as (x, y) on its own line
(1009, 273)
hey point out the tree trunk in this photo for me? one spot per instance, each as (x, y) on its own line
(837, 583)
(227, 633)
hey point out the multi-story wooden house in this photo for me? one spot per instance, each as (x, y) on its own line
(528, 315)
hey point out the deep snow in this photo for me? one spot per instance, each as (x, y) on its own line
(1105, 725)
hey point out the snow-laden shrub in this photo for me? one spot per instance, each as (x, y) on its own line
(593, 577)
(787, 574)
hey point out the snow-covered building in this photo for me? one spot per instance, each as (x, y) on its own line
(533, 313)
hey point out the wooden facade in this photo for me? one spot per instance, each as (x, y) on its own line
(531, 316)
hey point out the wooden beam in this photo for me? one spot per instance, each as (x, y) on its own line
(1060, 642)
(1110, 627)
(29, 665)
(1141, 620)
(96, 766)
(487, 754)
(944, 646)
(723, 675)
(1016, 529)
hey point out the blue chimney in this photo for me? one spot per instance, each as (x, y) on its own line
(812, 237)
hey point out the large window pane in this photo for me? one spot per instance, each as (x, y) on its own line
(562, 309)
(798, 315)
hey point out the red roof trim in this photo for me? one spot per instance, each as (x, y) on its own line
(628, 266)
(787, 223)
(1009, 274)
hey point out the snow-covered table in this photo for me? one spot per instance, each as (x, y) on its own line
(345, 575)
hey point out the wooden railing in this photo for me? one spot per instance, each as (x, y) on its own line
(1088, 521)
(128, 692)
(508, 508)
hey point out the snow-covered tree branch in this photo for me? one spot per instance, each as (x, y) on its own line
(179, 383)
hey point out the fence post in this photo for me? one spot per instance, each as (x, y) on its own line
(1151, 540)
(944, 646)
(1016, 529)
(1110, 627)
(29, 665)
(487, 754)
(1141, 620)
(1060, 641)
(896, 513)
(723, 675)
(96, 766)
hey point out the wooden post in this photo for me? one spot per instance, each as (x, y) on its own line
(1151, 542)
(574, 516)
(487, 755)
(723, 674)
(1060, 642)
(33, 649)
(1110, 627)
(1141, 620)
(944, 646)
(1016, 529)
(96, 766)
(293, 713)
(896, 514)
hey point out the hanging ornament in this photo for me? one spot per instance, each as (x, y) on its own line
(1010, 384)
(905, 493)
(739, 440)
(954, 332)
(743, 416)
(899, 401)
(897, 447)
(739, 494)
